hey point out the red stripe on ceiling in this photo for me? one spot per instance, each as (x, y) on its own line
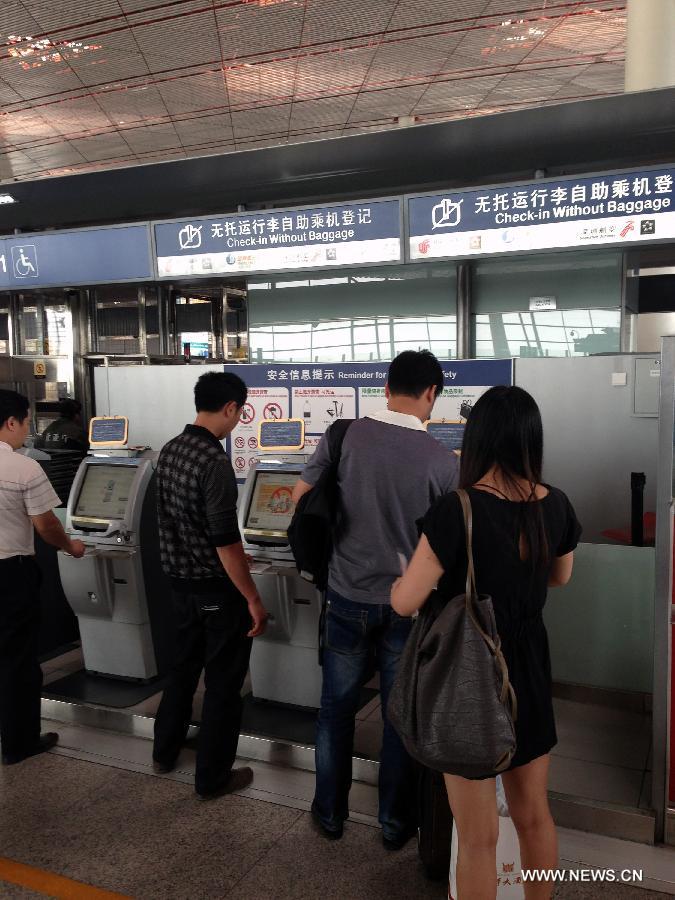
(234, 64)
(228, 4)
(285, 100)
(352, 126)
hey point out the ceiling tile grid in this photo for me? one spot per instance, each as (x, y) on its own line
(96, 83)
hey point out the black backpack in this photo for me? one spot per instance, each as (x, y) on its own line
(310, 533)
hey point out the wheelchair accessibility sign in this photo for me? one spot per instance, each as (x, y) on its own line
(24, 261)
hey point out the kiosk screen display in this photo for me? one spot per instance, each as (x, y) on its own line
(271, 507)
(105, 492)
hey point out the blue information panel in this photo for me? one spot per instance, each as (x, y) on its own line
(450, 434)
(289, 433)
(76, 257)
(321, 394)
(274, 240)
(108, 431)
(575, 212)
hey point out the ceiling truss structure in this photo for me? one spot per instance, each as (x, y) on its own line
(99, 84)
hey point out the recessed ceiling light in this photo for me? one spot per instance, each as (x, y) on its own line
(7, 198)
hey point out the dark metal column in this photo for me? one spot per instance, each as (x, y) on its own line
(464, 310)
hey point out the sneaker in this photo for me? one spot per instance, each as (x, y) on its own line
(160, 768)
(46, 741)
(237, 780)
(332, 834)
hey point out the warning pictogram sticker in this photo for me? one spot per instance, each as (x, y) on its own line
(247, 414)
(240, 463)
(272, 411)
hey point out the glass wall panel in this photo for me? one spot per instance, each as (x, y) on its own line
(117, 318)
(585, 288)
(4, 324)
(152, 320)
(358, 315)
(31, 331)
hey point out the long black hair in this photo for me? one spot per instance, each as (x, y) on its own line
(504, 430)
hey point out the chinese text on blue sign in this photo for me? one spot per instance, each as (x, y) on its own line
(610, 209)
(273, 240)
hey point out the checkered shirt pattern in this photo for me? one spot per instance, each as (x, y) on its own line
(197, 510)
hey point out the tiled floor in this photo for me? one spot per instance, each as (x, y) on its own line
(603, 753)
(93, 811)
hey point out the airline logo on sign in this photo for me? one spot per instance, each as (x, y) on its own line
(612, 209)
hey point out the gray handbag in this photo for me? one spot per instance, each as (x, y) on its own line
(452, 702)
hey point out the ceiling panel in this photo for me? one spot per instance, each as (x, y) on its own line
(116, 82)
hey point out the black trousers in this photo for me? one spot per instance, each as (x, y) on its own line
(211, 636)
(20, 672)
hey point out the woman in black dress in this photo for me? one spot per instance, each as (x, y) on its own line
(524, 533)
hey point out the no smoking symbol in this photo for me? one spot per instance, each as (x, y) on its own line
(272, 411)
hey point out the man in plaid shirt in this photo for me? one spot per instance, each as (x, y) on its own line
(218, 608)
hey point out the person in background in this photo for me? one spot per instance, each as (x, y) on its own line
(218, 608)
(27, 500)
(390, 470)
(67, 432)
(524, 534)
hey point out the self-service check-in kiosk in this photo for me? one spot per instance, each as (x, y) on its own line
(284, 661)
(111, 508)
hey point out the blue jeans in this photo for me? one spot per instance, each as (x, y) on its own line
(353, 632)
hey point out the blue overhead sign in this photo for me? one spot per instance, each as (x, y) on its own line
(89, 256)
(574, 212)
(274, 240)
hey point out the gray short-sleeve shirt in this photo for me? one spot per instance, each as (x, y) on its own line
(390, 473)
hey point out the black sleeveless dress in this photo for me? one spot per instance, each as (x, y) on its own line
(518, 594)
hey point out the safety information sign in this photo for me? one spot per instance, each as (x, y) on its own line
(321, 394)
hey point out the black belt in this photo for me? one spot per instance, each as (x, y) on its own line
(17, 559)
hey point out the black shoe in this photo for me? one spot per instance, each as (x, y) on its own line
(397, 842)
(237, 780)
(160, 768)
(333, 834)
(46, 741)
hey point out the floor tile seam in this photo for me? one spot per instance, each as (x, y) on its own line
(265, 853)
(637, 768)
(98, 754)
(597, 762)
(261, 795)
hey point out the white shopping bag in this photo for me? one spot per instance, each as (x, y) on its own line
(509, 878)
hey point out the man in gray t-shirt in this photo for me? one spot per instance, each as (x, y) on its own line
(390, 472)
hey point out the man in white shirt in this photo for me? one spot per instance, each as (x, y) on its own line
(27, 500)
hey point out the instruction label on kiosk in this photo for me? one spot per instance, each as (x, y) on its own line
(107, 431)
(281, 434)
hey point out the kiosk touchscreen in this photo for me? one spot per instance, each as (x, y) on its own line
(448, 432)
(271, 508)
(284, 661)
(104, 494)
